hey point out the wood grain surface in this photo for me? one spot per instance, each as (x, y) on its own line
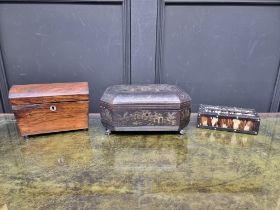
(46, 93)
(38, 118)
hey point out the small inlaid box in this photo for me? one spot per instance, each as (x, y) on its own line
(47, 108)
(228, 118)
(158, 107)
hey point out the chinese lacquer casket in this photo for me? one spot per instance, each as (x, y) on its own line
(228, 119)
(158, 107)
(46, 108)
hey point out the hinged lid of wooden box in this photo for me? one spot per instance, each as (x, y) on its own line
(154, 95)
(48, 93)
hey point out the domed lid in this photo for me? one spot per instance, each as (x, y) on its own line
(154, 94)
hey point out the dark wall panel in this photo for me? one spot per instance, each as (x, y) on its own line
(222, 54)
(44, 43)
(143, 40)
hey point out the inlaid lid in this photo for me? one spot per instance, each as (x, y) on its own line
(226, 111)
(154, 94)
(48, 93)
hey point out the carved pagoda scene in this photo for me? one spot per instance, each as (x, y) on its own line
(146, 117)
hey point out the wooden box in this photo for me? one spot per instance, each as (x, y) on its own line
(145, 108)
(228, 119)
(47, 108)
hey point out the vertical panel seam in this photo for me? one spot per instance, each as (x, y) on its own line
(1, 103)
(127, 42)
(4, 84)
(159, 41)
(275, 103)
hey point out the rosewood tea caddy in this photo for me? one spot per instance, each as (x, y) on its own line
(228, 119)
(158, 107)
(47, 108)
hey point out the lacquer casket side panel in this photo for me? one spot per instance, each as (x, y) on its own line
(185, 115)
(153, 107)
(106, 115)
(138, 119)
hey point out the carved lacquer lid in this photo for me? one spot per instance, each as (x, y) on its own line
(154, 94)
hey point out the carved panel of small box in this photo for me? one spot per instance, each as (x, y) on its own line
(158, 107)
(228, 119)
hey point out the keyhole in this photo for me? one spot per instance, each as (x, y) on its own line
(53, 108)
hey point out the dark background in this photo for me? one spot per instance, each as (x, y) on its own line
(220, 52)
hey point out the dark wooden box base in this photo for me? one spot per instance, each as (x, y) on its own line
(159, 107)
